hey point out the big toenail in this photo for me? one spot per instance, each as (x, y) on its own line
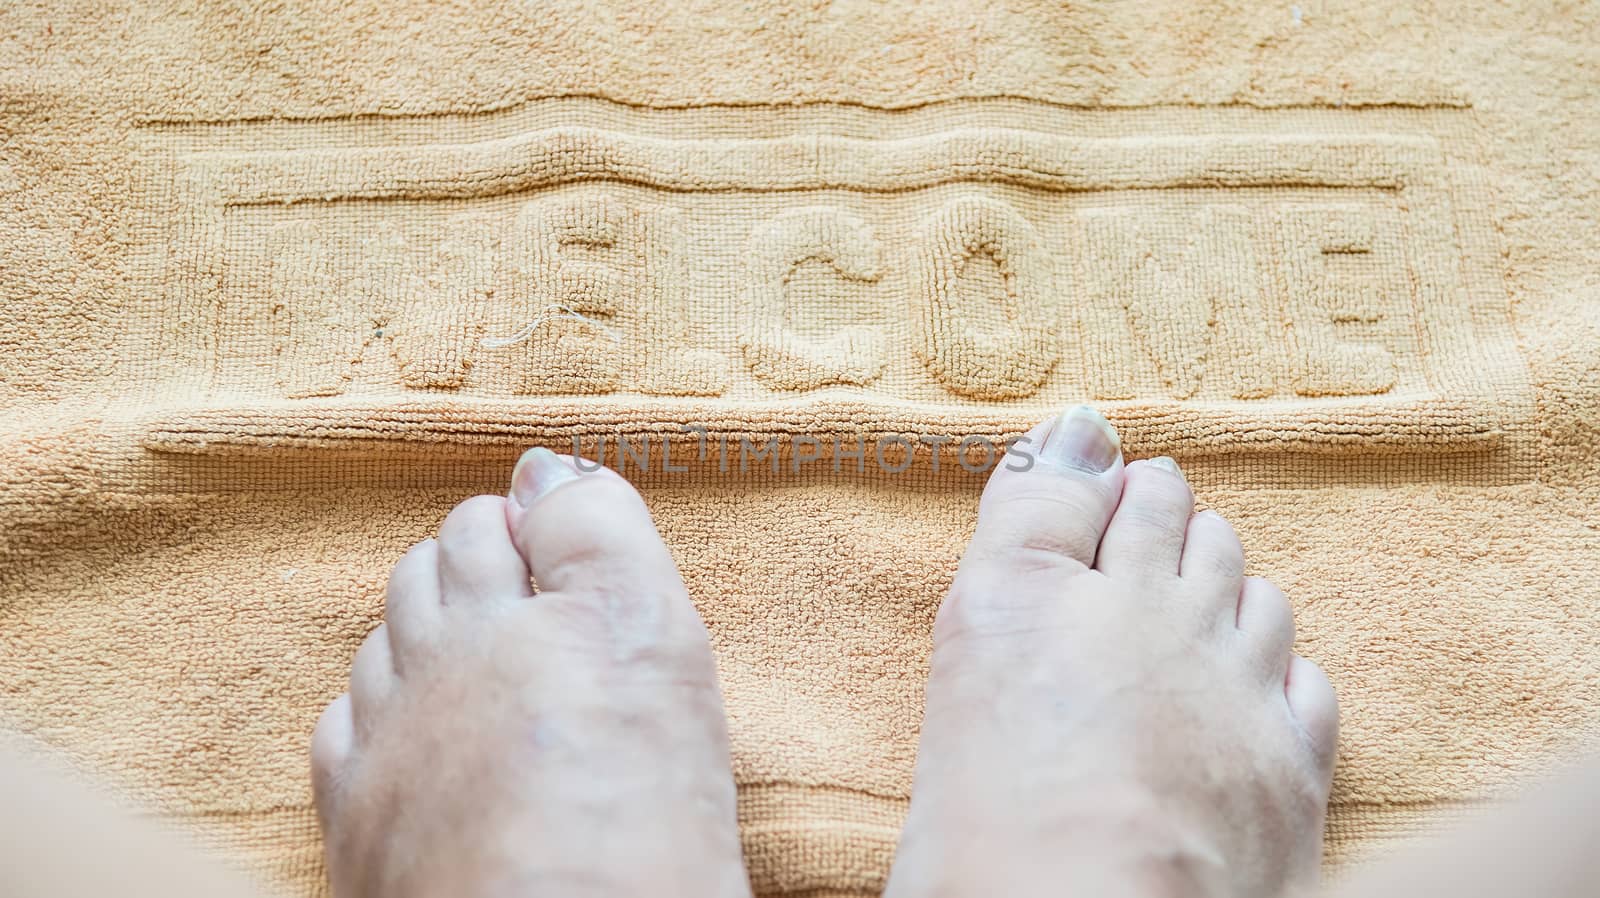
(1082, 438)
(1165, 463)
(538, 472)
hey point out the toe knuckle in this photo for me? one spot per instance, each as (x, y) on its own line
(1148, 515)
(1223, 566)
(1031, 520)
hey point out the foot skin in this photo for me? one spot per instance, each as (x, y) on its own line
(498, 742)
(1113, 707)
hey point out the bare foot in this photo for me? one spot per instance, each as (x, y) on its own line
(1113, 707)
(497, 742)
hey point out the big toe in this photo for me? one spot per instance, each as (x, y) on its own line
(1048, 504)
(1040, 520)
(588, 534)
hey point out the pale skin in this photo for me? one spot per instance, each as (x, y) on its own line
(1113, 709)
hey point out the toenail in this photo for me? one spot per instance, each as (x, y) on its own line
(1082, 438)
(538, 472)
(1165, 463)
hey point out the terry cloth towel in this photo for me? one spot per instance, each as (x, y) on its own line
(283, 282)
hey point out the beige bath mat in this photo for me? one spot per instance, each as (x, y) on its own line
(281, 285)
